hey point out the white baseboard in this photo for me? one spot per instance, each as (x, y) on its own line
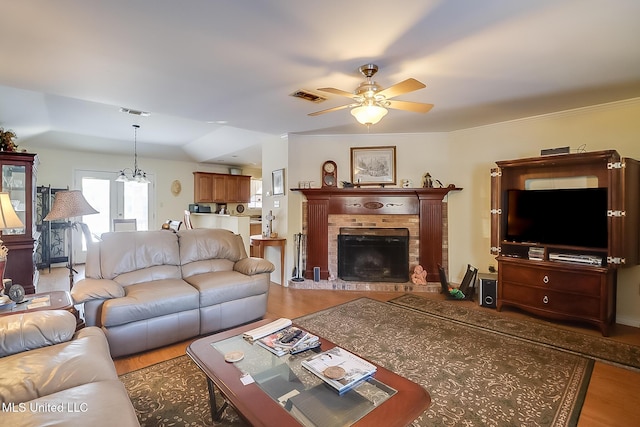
(629, 321)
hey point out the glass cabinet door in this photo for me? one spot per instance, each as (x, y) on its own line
(14, 181)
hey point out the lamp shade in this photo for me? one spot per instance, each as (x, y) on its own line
(69, 204)
(8, 216)
(369, 114)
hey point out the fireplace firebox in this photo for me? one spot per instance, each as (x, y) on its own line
(373, 254)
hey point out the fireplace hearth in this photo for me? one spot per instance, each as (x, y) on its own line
(373, 254)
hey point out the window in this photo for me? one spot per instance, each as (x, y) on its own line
(112, 200)
(256, 194)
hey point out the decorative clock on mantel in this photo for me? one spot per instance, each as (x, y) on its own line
(329, 174)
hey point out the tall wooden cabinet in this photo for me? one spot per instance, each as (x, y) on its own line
(567, 290)
(18, 179)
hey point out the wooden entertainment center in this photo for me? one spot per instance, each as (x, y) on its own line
(547, 280)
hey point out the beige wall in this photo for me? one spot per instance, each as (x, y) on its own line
(463, 158)
(57, 168)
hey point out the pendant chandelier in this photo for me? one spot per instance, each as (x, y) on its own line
(137, 175)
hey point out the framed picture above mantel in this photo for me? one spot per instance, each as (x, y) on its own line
(373, 165)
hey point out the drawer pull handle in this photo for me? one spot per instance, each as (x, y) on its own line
(545, 299)
(545, 279)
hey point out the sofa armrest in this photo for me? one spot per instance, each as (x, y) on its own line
(28, 331)
(253, 266)
(88, 289)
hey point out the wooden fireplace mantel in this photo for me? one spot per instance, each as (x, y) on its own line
(424, 202)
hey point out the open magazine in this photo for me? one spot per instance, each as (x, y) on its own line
(339, 368)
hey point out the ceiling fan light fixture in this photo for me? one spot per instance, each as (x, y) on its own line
(369, 114)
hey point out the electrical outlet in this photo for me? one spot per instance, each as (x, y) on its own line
(276, 203)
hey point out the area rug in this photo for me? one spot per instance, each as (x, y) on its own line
(475, 377)
(532, 329)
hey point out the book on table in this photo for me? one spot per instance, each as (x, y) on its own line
(287, 340)
(339, 368)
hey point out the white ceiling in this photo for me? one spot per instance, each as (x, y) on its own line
(67, 66)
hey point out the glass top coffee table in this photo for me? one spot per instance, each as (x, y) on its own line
(283, 393)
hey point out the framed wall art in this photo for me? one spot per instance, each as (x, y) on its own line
(373, 165)
(277, 180)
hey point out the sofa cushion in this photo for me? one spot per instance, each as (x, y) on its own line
(202, 244)
(27, 331)
(223, 286)
(206, 266)
(150, 299)
(47, 370)
(122, 252)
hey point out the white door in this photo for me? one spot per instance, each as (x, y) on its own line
(122, 200)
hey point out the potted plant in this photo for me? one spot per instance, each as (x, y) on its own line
(7, 138)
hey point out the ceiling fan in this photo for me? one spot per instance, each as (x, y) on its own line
(371, 101)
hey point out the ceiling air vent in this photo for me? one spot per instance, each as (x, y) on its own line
(308, 96)
(134, 112)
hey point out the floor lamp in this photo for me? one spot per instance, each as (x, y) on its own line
(67, 205)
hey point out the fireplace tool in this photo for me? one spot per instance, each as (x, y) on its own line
(298, 269)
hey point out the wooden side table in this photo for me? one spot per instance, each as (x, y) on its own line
(56, 300)
(260, 242)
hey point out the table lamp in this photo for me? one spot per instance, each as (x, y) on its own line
(8, 219)
(67, 205)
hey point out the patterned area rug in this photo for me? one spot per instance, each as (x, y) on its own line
(475, 377)
(600, 348)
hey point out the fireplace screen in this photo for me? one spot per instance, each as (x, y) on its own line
(373, 254)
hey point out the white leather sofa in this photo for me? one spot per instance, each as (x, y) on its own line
(147, 289)
(52, 376)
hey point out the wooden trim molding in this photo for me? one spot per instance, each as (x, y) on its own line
(425, 202)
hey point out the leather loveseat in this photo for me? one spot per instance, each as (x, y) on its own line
(52, 375)
(147, 289)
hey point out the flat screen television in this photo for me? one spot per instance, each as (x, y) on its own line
(571, 217)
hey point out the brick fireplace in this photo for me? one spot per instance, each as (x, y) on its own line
(421, 210)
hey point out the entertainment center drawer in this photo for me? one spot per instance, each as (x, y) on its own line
(544, 299)
(563, 280)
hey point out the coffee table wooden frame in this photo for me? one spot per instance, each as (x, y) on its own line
(258, 409)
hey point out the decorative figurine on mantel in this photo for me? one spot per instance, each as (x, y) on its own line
(269, 230)
(419, 276)
(427, 181)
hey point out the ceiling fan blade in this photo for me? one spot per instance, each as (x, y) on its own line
(329, 110)
(416, 107)
(337, 91)
(406, 86)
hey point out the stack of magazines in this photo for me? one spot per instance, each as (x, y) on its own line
(280, 337)
(339, 368)
(288, 340)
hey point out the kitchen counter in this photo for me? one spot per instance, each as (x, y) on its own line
(237, 224)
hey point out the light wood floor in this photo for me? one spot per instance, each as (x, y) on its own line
(613, 396)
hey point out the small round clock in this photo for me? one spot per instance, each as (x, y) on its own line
(329, 174)
(16, 293)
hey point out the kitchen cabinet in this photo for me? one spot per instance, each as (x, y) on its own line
(221, 188)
